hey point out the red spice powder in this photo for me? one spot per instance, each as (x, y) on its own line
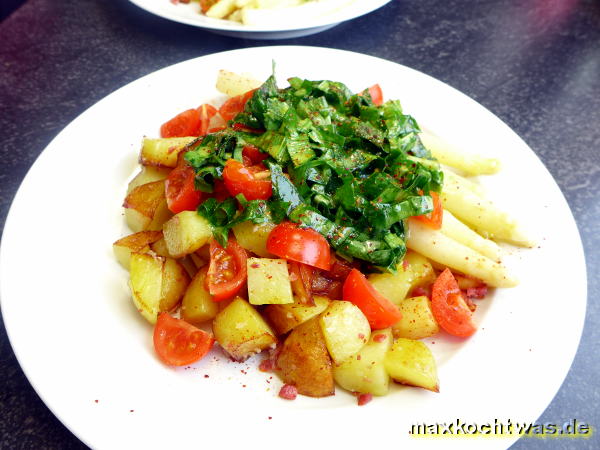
(266, 365)
(363, 399)
(288, 392)
(379, 337)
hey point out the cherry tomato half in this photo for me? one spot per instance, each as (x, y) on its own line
(178, 343)
(434, 218)
(376, 94)
(192, 122)
(254, 181)
(379, 311)
(180, 190)
(287, 240)
(206, 113)
(253, 154)
(449, 308)
(227, 271)
(235, 105)
(183, 124)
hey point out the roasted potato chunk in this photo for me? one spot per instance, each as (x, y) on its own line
(137, 242)
(365, 372)
(242, 331)
(253, 237)
(417, 319)
(232, 84)
(304, 361)
(145, 281)
(146, 207)
(414, 271)
(185, 233)
(148, 174)
(285, 317)
(411, 362)
(345, 328)
(163, 152)
(157, 283)
(197, 305)
(175, 281)
(269, 282)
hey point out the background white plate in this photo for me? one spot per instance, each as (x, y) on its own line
(88, 353)
(190, 15)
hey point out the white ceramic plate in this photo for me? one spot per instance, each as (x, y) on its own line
(88, 353)
(292, 26)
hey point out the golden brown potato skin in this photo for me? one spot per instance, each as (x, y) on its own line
(304, 361)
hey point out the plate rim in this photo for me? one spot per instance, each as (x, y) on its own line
(44, 154)
(232, 28)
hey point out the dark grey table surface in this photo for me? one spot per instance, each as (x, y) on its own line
(533, 63)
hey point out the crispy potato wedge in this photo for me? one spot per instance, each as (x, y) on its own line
(146, 207)
(304, 361)
(145, 281)
(175, 281)
(185, 233)
(365, 371)
(241, 331)
(160, 247)
(197, 305)
(163, 152)
(137, 242)
(157, 283)
(415, 270)
(285, 317)
(411, 362)
(253, 237)
(417, 319)
(233, 84)
(269, 282)
(345, 328)
(146, 175)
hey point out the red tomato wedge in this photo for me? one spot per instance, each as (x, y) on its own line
(178, 343)
(206, 113)
(180, 190)
(379, 311)
(434, 218)
(227, 271)
(254, 181)
(376, 94)
(183, 124)
(287, 240)
(192, 122)
(253, 154)
(234, 105)
(449, 308)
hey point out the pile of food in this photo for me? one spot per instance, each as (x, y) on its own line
(319, 226)
(268, 12)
